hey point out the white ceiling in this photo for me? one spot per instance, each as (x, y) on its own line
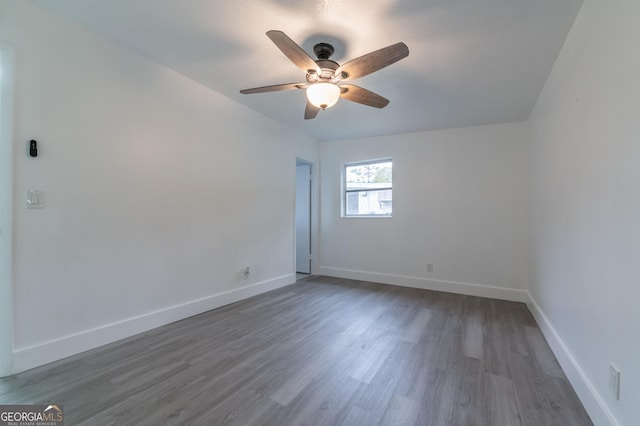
(471, 62)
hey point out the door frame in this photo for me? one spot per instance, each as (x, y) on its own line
(314, 213)
(7, 82)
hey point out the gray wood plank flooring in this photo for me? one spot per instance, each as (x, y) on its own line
(324, 351)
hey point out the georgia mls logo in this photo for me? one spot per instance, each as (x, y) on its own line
(55, 413)
(31, 415)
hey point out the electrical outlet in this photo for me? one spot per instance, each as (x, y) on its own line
(614, 381)
(430, 267)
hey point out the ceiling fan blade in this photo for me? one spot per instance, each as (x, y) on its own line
(295, 53)
(274, 88)
(373, 61)
(310, 111)
(362, 96)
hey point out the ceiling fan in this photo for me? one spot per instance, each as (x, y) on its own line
(325, 78)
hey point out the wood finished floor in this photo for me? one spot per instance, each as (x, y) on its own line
(324, 351)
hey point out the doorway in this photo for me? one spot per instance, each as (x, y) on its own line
(303, 217)
(6, 209)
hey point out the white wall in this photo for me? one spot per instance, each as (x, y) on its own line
(154, 191)
(459, 203)
(586, 193)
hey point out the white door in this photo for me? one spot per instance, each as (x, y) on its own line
(303, 218)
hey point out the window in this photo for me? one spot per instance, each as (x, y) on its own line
(367, 188)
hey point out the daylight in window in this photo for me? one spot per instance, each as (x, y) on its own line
(368, 188)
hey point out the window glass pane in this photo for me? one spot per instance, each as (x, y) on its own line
(368, 176)
(352, 203)
(369, 203)
(385, 201)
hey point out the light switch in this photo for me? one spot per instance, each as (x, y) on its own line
(34, 199)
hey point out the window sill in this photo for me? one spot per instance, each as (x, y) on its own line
(367, 216)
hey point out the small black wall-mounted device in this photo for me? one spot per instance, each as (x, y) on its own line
(33, 148)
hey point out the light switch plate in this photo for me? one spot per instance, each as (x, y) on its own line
(34, 199)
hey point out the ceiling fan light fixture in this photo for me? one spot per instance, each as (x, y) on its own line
(323, 95)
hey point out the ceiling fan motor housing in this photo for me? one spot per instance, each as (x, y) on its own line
(327, 67)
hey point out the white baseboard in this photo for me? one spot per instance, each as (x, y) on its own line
(46, 352)
(426, 284)
(586, 391)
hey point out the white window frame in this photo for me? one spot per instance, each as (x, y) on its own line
(345, 193)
